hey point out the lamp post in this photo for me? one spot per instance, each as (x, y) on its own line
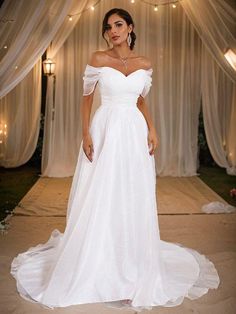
(49, 70)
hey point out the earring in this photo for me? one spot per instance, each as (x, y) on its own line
(129, 39)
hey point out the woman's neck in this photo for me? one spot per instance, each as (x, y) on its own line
(122, 51)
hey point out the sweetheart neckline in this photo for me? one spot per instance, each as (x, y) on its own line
(148, 70)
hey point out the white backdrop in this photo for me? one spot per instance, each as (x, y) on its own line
(183, 72)
(172, 44)
(170, 40)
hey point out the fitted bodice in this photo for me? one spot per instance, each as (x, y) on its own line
(115, 87)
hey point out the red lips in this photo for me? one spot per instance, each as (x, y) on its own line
(115, 37)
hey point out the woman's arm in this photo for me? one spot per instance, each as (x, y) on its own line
(85, 111)
(144, 109)
(152, 134)
(142, 106)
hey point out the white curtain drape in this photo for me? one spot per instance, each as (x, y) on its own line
(20, 119)
(27, 37)
(62, 126)
(176, 101)
(169, 39)
(219, 113)
(215, 22)
(27, 28)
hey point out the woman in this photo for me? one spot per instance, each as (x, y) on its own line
(120, 57)
(111, 249)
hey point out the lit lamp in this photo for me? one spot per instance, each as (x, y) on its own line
(231, 58)
(3, 138)
(49, 71)
(49, 67)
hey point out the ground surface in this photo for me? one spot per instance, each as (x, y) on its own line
(211, 234)
(16, 182)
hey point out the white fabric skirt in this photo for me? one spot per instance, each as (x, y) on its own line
(111, 248)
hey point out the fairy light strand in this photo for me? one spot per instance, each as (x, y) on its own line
(155, 6)
(164, 3)
(91, 7)
(173, 3)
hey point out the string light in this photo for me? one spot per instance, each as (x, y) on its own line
(91, 8)
(173, 3)
(6, 20)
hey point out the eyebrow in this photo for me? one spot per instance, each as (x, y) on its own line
(116, 22)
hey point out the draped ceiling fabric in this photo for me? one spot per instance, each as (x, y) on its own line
(215, 22)
(35, 24)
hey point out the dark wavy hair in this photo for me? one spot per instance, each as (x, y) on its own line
(124, 15)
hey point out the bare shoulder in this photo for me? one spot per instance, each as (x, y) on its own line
(145, 62)
(97, 58)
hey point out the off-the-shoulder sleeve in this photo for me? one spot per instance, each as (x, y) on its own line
(90, 78)
(148, 83)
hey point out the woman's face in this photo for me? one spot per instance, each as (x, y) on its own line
(117, 29)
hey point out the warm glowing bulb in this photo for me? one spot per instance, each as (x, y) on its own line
(5, 47)
(230, 56)
(174, 6)
(0, 142)
(156, 8)
(0, 131)
(16, 67)
(70, 18)
(5, 125)
(132, 1)
(92, 8)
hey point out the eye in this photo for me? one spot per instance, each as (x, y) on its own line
(119, 24)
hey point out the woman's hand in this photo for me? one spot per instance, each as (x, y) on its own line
(152, 140)
(88, 146)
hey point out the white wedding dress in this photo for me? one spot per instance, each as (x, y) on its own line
(111, 248)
